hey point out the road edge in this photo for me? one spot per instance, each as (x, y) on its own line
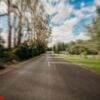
(80, 65)
(20, 64)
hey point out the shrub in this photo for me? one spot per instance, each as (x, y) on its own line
(23, 52)
(26, 51)
(92, 51)
(1, 51)
(2, 66)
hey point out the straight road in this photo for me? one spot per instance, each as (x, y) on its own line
(50, 78)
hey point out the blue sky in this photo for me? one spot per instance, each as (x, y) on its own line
(67, 18)
(3, 22)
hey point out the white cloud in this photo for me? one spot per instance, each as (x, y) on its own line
(64, 33)
(80, 12)
(63, 11)
(82, 36)
(88, 8)
(49, 9)
(61, 8)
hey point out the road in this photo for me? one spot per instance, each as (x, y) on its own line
(50, 78)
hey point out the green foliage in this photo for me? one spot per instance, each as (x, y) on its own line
(59, 47)
(26, 51)
(77, 48)
(2, 54)
(1, 51)
(6, 56)
(2, 66)
(23, 52)
(91, 62)
(93, 30)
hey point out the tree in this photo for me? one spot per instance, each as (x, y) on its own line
(41, 26)
(1, 41)
(93, 30)
(36, 24)
(8, 3)
(9, 24)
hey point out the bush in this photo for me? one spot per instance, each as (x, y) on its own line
(6, 54)
(26, 51)
(78, 49)
(1, 51)
(23, 52)
(2, 66)
(92, 51)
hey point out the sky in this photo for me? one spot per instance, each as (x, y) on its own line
(67, 18)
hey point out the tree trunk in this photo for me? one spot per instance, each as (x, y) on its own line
(14, 31)
(9, 27)
(20, 31)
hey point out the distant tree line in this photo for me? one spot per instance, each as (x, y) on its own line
(76, 48)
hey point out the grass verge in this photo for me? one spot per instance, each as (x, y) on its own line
(92, 63)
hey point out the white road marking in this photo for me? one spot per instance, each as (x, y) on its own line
(60, 62)
(55, 57)
(48, 64)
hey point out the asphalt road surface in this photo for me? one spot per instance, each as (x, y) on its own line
(50, 78)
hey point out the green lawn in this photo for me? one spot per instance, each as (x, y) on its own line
(90, 62)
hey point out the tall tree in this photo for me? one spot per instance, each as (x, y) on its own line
(94, 30)
(9, 24)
